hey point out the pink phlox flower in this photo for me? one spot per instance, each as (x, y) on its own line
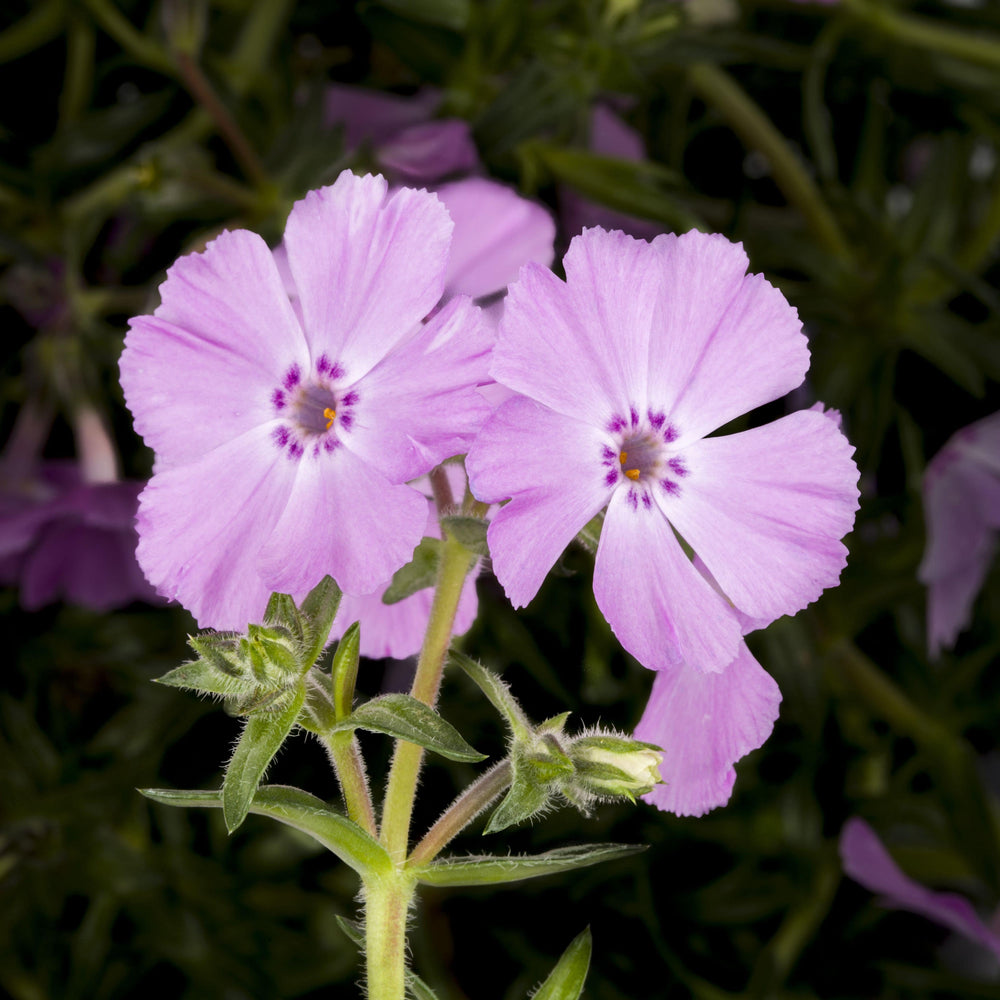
(397, 630)
(961, 491)
(866, 860)
(62, 538)
(620, 372)
(285, 437)
(407, 141)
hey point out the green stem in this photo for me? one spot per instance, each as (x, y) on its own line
(925, 33)
(348, 765)
(387, 901)
(406, 761)
(77, 83)
(202, 91)
(43, 23)
(264, 24)
(757, 131)
(140, 48)
(461, 812)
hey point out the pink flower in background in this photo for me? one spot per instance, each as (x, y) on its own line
(621, 371)
(407, 141)
(67, 539)
(867, 861)
(285, 439)
(962, 510)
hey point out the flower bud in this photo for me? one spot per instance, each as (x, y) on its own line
(608, 765)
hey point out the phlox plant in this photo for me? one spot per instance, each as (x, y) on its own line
(344, 441)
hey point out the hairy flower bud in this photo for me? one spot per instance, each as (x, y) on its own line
(608, 765)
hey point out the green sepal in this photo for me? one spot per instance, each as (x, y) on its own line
(344, 670)
(589, 535)
(205, 677)
(497, 691)
(536, 770)
(319, 609)
(318, 713)
(418, 574)
(555, 724)
(497, 869)
(260, 740)
(272, 652)
(522, 801)
(406, 718)
(469, 531)
(565, 981)
(300, 810)
(281, 610)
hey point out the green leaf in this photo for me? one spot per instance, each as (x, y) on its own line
(496, 690)
(470, 531)
(565, 981)
(300, 810)
(260, 740)
(404, 717)
(495, 869)
(524, 799)
(418, 574)
(344, 670)
(453, 14)
(203, 676)
(419, 989)
(320, 608)
(354, 930)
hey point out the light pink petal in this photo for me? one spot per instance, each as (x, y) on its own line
(551, 467)
(580, 347)
(397, 630)
(723, 342)
(867, 861)
(368, 266)
(430, 150)
(660, 607)
(374, 114)
(344, 518)
(201, 527)
(201, 370)
(496, 231)
(766, 509)
(705, 723)
(421, 405)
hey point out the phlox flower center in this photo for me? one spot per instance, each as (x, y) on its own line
(314, 408)
(640, 457)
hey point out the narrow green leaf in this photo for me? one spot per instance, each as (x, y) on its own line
(354, 930)
(419, 989)
(470, 531)
(320, 608)
(206, 678)
(300, 810)
(418, 574)
(565, 981)
(260, 740)
(344, 670)
(404, 717)
(495, 869)
(496, 690)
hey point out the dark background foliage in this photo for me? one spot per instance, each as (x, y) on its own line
(110, 167)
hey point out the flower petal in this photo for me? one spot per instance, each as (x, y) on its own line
(496, 231)
(766, 509)
(580, 347)
(551, 468)
(427, 151)
(420, 404)
(867, 861)
(705, 723)
(660, 607)
(201, 527)
(374, 114)
(344, 518)
(201, 370)
(723, 342)
(368, 267)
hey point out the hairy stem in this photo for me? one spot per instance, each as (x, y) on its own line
(387, 900)
(348, 765)
(461, 812)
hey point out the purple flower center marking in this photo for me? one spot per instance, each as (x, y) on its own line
(312, 406)
(642, 456)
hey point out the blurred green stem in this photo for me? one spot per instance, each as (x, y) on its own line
(924, 33)
(75, 94)
(41, 25)
(263, 25)
(136, 44)
(718, 89)
(202, 91)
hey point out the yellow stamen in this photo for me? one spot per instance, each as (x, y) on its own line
(329, 414)
(623, 457)
(632, 474)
